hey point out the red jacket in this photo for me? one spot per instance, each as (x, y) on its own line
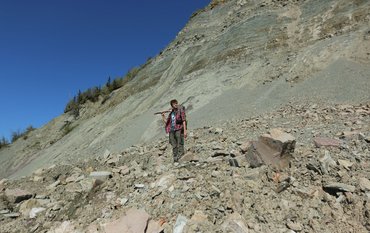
(180, 118)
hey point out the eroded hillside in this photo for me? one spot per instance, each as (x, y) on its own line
(233, 59)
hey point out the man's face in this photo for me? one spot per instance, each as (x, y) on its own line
(174, 105)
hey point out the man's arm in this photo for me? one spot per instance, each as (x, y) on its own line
(164, 118)
(184, 125)
(183, 117)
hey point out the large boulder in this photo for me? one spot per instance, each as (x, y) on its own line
(275, 148)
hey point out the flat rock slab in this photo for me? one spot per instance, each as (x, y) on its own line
(235, 223)
(12, 215)
(135, 221)
(339, 187)
(220, 153)
(189, 157)
(101, 175)
(326, 142)
(17, 195)
(180, 224)
(154, 227)
(364, 184)
(199, 216)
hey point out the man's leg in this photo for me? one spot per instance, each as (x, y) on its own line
(174, 145)
(181, 149)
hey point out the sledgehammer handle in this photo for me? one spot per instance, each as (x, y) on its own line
(162, 112)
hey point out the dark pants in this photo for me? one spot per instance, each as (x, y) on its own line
(177, 143)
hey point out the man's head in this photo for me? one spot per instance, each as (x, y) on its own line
(174, 103)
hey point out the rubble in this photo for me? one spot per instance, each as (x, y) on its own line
(145, 192)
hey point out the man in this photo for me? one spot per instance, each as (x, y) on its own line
(176, 128)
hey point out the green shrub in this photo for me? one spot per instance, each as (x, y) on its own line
(73, 107)
(67, 129)
(195, 13)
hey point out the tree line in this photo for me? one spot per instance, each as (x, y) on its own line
(93, 94)
(15, 136)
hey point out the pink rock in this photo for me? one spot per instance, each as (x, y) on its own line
(135, 221)
(124, 170)
(245, 146)
(64, 227)
(321, 141)
(279, 140)
(93, 228)
(199, 216)
(154, 227)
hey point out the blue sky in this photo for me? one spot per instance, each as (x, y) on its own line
(52, 48)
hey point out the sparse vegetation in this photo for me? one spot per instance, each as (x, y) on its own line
(15, 136)
(67, 128)
(22, 134)
(73, 107)
(3, 142)
(94, 94)
(197, 12)
(215, 3)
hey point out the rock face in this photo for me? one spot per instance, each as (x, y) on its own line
(234, 59)
(210, 194)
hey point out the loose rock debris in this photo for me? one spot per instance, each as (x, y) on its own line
(323, 187)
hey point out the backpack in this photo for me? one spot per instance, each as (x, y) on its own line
(182, 109)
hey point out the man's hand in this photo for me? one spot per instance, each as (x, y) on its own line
(185, 134)
(163, 117)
